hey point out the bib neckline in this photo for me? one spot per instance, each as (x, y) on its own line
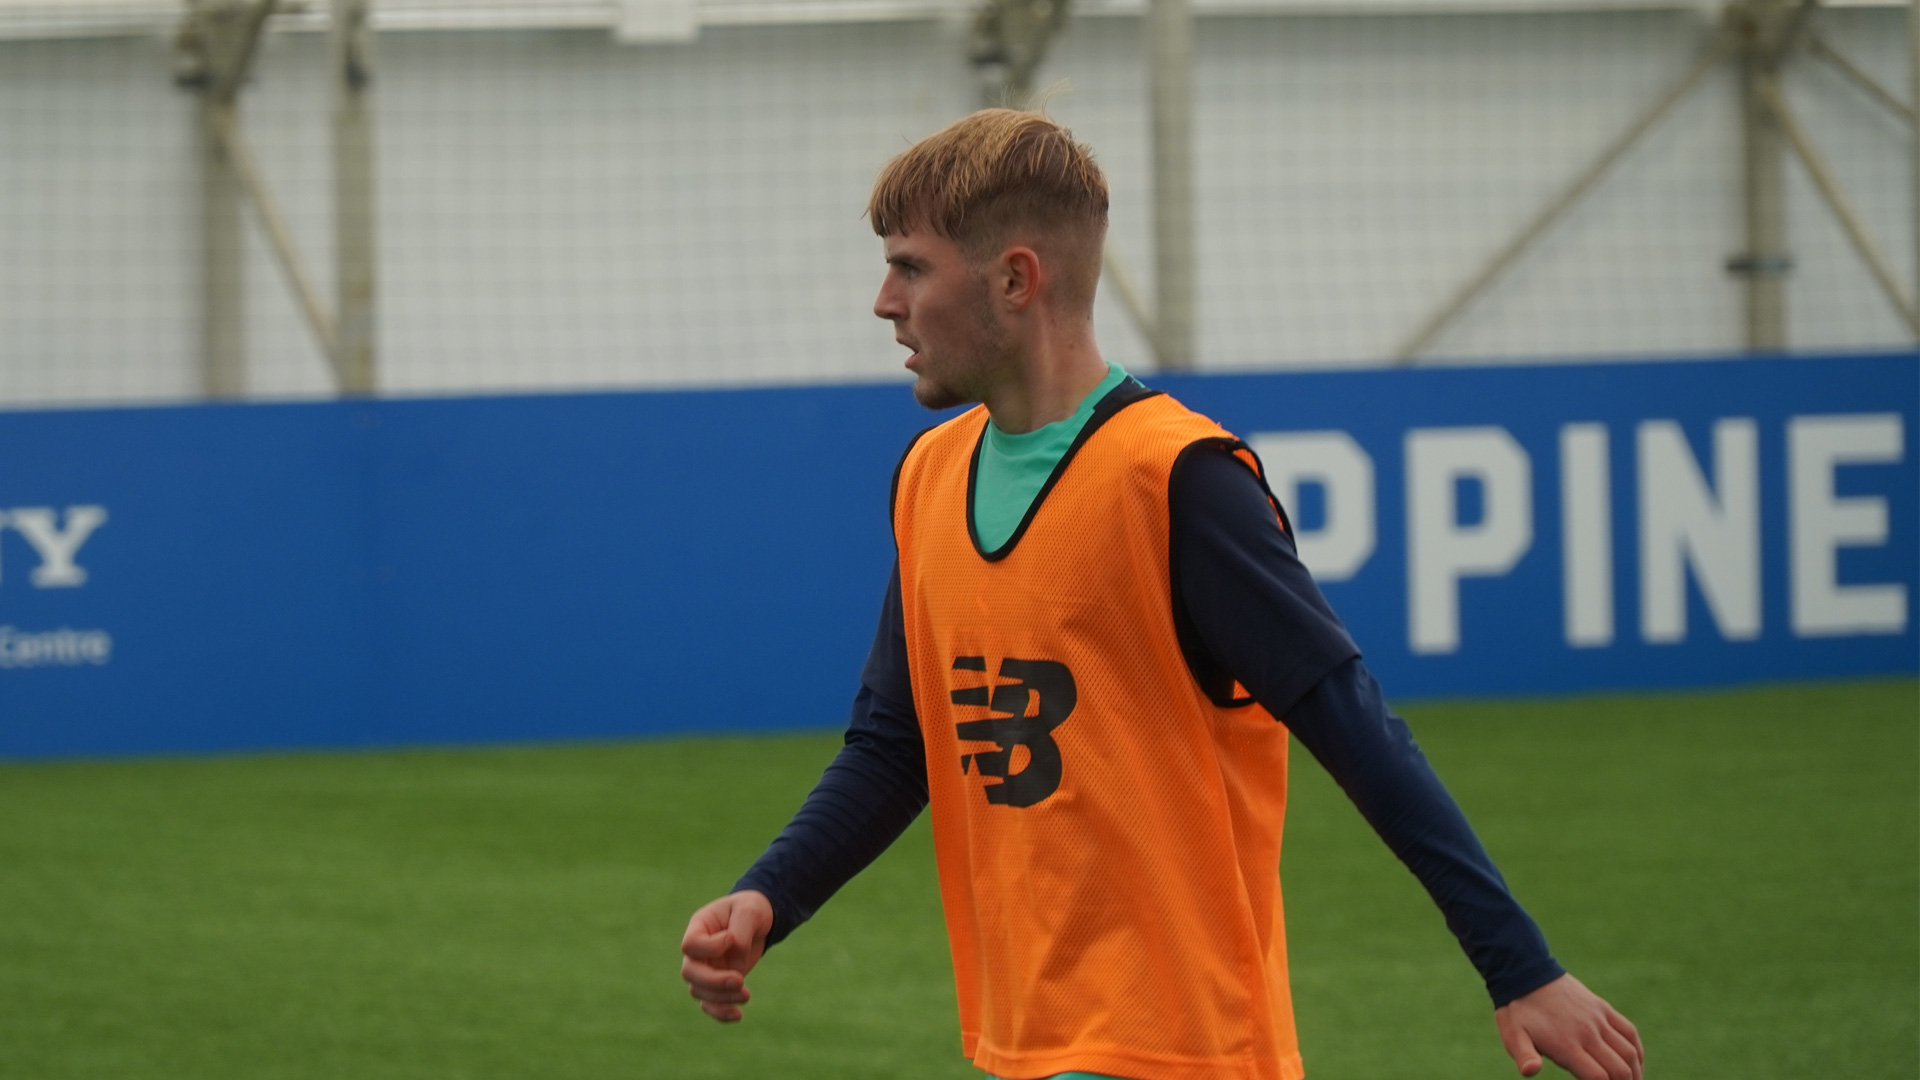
(1129, 391)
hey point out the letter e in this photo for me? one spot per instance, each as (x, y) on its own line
(1823, 523)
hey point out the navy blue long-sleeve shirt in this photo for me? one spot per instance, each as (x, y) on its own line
(1248, 612)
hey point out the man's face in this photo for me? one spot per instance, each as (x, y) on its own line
(941, 308)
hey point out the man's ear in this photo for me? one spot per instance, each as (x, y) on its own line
(1020, 277)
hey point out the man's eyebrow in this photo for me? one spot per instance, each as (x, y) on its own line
(907, 261)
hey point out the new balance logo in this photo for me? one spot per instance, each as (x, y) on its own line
(1026, 710)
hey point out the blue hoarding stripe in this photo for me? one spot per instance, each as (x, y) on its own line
(506, 568)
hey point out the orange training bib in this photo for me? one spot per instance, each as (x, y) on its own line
(1108, 836)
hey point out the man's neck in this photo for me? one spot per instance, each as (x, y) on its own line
(1049, 386)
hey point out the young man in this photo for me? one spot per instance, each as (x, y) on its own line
(1095, 622)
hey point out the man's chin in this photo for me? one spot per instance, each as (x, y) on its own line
(934, 396)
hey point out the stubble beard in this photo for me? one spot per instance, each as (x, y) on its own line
(937, 396)
(974, 366)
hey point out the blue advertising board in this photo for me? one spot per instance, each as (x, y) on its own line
(577, 566)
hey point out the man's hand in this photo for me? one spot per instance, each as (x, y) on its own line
(1571, 1025)
(724, 940)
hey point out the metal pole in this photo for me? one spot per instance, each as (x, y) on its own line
(1170, 52)
(279, 237)
(1007, 44)
(1842, 207)
(1129, 295)
(1913, 59)
(223, 300)
(1561, 204)
(1766, 260)
(216, 44)
(1868, 84)
(353, 201)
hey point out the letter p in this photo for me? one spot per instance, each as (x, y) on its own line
(1440, 550)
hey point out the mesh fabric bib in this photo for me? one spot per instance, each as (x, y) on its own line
(1107, 831)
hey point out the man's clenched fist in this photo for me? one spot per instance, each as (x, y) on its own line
(723, 942)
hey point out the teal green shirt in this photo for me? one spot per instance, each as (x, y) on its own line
(1014, 467)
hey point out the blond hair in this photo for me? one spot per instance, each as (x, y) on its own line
(993, 174)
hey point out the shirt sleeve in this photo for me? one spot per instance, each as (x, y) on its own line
(868, 796)
(1344, 722)
(1255, 616)
(1246, 608)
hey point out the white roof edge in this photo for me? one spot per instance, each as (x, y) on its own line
(92, 18)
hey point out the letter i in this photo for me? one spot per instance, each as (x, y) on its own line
(1586, 535)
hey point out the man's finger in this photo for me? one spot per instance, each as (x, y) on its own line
(743, 928)
(714, 978)
(726, 1014)
(706, 945)
(1625, 1027)
(718, 996)
(1581, 1064)
(1519, 1046)
(1623, 1048)
(1608, 1065)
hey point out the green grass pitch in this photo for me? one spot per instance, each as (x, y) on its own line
(1739, 872)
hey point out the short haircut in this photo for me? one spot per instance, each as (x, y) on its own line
(995, 173)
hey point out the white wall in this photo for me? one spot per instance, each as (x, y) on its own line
(557, 210)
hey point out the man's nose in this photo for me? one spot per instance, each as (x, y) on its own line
(887, 305)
